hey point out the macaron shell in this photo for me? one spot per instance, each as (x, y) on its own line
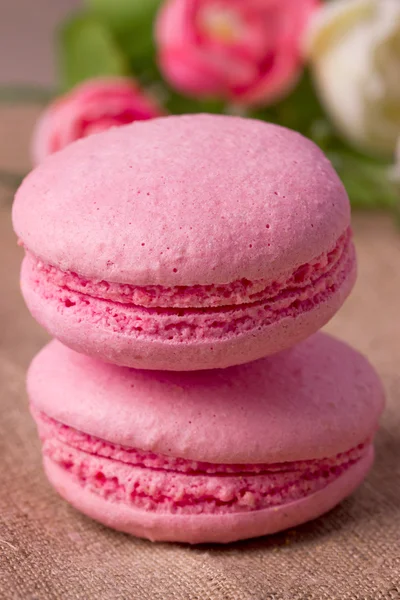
(84, 332)
(315, 400)
(165, 201)
(195, 529)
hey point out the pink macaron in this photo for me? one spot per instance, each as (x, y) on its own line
(207, 456)
(184, 243)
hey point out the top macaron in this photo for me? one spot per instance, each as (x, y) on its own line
(185, 242)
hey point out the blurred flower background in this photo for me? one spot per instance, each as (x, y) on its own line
(91, 107)
(330, 70)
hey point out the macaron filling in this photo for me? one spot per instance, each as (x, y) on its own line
(193, 312)
(166, 484)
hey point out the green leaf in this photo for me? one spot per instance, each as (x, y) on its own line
(123, 15)
(138, 45)
(132, 24)
(367, 181)
(177, 104)
(87, 49)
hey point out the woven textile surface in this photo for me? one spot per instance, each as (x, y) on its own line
(50, 551)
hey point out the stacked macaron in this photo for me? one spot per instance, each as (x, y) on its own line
(181, 264)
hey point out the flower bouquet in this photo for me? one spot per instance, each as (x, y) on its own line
(328, 70)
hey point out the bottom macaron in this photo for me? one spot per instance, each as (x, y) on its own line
(215, 456)
(211, 527)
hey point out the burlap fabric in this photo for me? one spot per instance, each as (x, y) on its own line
(49, 551)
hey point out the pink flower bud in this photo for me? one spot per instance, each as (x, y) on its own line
(244, 51)
(91, 107)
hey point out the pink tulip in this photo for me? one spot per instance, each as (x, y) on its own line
(91, 107)
(243, 51)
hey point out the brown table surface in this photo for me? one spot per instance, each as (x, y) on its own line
(50, 551)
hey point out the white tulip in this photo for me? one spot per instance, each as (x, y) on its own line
(354, 47)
